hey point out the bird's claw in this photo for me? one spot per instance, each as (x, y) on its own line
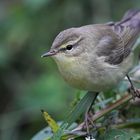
(135, 93)
(88, 123)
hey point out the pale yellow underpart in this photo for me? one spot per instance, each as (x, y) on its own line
(97, 77)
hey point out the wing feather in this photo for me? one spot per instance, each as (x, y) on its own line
(118, 43)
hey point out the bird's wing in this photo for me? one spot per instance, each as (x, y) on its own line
(110, 46)
(117, 44)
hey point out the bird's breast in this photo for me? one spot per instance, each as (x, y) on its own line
(74, 73)
(99, 76)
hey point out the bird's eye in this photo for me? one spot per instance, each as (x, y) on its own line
(69, 47)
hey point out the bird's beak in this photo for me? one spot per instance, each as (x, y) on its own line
(50, 53)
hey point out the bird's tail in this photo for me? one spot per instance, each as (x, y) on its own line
(131, 19)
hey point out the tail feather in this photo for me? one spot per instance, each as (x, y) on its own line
(131, 19)
(130, 14)
(128, 29)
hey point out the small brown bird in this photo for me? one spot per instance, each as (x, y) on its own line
(97, 57)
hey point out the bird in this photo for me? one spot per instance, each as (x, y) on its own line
(97, 57)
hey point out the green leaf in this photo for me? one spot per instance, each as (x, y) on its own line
(60, 132)
(43, 134)
(116, 134)
(51, 122)
(131, 123)
(80, 108)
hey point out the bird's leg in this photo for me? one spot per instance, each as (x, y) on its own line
(88, 114)
(135, 92)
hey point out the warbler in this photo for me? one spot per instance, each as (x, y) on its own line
(97, 57)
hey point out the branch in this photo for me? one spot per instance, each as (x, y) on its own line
(106, 110)
(113, 106)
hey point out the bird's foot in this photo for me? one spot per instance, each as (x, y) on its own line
(88, 123)
(135, 92)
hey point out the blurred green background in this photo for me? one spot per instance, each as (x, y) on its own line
(29, 83)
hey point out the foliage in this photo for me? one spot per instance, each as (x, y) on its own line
(102, 132)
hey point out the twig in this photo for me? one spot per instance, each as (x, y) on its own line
(113, 106)
(106, 110)
(129, 124)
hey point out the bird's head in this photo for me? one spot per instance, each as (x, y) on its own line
(67, 46)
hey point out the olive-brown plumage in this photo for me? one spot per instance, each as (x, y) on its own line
(97, 57)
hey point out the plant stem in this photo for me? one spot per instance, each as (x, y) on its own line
(106, 110)
(113, 106)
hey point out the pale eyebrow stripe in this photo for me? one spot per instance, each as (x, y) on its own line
(70, 43)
